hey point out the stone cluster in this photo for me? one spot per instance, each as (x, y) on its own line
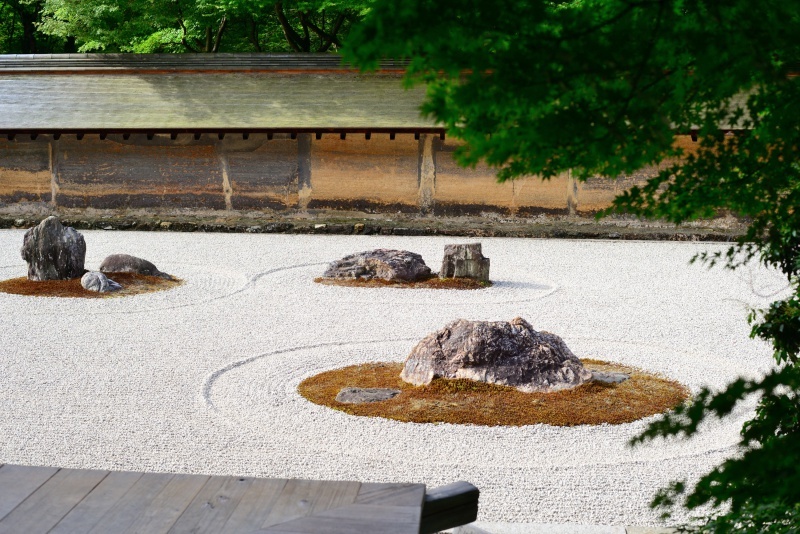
(57, 252)
(460, 261)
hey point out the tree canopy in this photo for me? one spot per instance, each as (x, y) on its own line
(175, 26)
(601, 88)
(19, 31)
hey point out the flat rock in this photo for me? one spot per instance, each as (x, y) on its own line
(465, 261)
(505, 353)
(95, 281)
(385, 264)
(124, 263)
(609, 378)
(53, 251)
(365, 395)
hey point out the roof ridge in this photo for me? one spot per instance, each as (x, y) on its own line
(184, 62)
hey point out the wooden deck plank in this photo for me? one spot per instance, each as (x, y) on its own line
(97, 503)
(391, 494)
(213, 505)
(255, 505)
(162, 512)
(374, 519)
(52, 501)
(68, 500)
(129, 508)
(301, 498)
(17, 482)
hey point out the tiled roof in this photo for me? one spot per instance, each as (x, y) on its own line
(195, 92)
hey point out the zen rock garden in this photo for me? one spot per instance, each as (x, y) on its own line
(498, 354)
(55, 252)
(476, 372)
(402, 267)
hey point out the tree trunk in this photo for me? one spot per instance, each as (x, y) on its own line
(298, 43)
(28, 33)
(252, 32)
(218, 37)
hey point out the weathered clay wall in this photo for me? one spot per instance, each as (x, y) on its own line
(25, 172)
(373, 174)
(282, 174)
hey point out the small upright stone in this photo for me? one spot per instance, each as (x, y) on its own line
(53, 251)
(390, 265)
(124, 263)
(465, 261)
(95, 281)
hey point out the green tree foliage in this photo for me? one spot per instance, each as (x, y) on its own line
(600, 87)
(167, 26)
(19, 31)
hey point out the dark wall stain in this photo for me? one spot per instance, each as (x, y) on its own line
(452, 209)
(28, 156)
(216, 202)
(17, 197)
(366, 206)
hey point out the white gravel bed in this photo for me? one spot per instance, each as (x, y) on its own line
(202, 378)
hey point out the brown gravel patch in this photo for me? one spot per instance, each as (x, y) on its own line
(468, 402)
(430, 283)
(132, 284)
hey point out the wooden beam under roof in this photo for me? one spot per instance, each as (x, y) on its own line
(220, 133)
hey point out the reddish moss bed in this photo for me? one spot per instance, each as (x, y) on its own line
(132, 284)
(469, 402)
(429, 283)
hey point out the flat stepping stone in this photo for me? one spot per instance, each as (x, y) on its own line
(609, 378)
(365, 395)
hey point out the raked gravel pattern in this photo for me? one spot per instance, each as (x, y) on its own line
(203, 378)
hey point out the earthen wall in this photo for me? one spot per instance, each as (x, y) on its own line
(376, 175)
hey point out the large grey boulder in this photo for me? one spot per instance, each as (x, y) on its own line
(465, 261)
(94, 281)
(124, 263)
(505, 353)
(53, 251)
(391, 265)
